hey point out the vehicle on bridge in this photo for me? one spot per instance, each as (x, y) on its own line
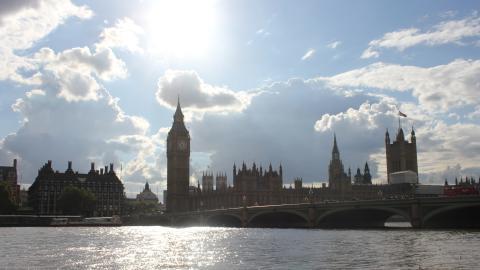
(453, 191)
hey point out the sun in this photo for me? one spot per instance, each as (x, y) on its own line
(180, 28)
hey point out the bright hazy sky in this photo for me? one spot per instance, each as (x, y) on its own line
(259, 81)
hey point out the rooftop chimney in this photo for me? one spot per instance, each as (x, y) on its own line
(49, 163)
(101, 170)
(15, 163)
(92, 166)
(106, 169)
(111, 167)
(69, 165)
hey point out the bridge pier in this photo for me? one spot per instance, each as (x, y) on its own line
(244, 216)
(416, 216)
(312, 217)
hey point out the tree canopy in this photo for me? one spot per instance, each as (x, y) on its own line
(76, 201)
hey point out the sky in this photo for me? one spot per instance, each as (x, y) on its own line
(259, 81)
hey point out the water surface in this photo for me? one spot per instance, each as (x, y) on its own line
(229, 248)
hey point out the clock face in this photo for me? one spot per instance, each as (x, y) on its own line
(182, 145)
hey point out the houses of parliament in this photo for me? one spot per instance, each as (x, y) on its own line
(255, 185)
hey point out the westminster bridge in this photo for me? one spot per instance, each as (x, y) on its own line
(432, 212)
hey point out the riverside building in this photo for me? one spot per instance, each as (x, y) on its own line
(44, 193)
(8, 175)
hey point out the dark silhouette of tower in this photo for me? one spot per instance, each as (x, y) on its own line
(367, 177)
(178, 164)
(401, 154)
(207, 182)
(221, 182)
(337, 178)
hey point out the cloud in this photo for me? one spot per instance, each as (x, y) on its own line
(56, 129)
(197, 96)
(369, 53)
(72, 73)
(27, 23)
(452, 31)
(438, 88)
(448, 14)
(125, 34)
(262, 32)
(309, 54)
(334, 44)
(13, 6)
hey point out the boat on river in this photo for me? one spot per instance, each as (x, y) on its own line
(93, 221)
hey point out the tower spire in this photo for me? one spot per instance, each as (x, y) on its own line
(178, 116)
(335, 147)
(335, 152)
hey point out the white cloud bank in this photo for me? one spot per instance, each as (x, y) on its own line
(437, 88)
(452, 31)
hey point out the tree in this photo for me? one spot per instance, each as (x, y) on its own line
(7, 206)
(76, 201)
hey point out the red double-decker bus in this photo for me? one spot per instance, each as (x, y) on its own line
(453, 191)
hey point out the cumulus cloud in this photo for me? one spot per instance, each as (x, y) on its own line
(440, 87)
(72, 73)
(452, 31)
(56, 129)
(309, 54)
(125, 34)
(29, 22)
(198, 97)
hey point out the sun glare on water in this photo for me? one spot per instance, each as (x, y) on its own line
(181, 28)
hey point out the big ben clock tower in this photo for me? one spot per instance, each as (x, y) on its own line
(178, 164)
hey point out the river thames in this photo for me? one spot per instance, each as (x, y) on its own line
(158, 247)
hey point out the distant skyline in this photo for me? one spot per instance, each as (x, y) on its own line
(259, 81)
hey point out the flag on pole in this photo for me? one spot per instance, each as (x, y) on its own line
(401, 114)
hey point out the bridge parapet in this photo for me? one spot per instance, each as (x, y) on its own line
(421, 212)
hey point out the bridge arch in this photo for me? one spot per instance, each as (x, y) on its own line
(224, 220)
(359, 216)
(278, 219)
(461, 215)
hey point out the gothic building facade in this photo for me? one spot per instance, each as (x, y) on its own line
(363, 179)
(44, 193)
(401, 154)
(8, 175)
